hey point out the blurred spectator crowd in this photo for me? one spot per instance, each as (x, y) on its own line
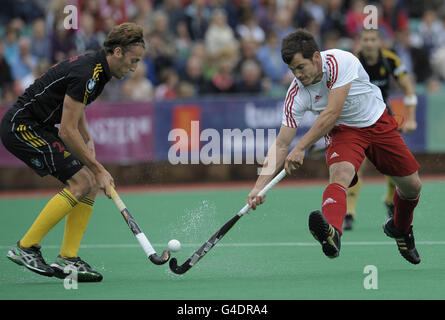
(209, 47)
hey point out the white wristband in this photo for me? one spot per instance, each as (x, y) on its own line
(410, 100)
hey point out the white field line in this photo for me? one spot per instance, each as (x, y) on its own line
(244, 244)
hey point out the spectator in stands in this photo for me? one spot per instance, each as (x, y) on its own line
(245, 8)
(223, 81)
(40, 68)
(219, 37)
(269, 56)
(183, 44)
(158, 56)
(283, 24)
(40, 44)
(11, 41)
(86, 38)
(265, 13)
(168, 88)
(159, 25)
(355, 17)
(248, 52)
(6, 80)
(250, 81)
(394, 15)
(334, 18)
(185, 90)
(193, 75)
(313, 27)
(300, 14)
(92, 7)
(174, 11)
(316, 10)
(429, 31)
(230, 8)
(137, 87)
(438, 57)
(441, 17)
(115, 9)
(414, 59)
(23, 64)
(197, 16)
(62, 43)
(107, 24)
(250, 30)
(331, 40)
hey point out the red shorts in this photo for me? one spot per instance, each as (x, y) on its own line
(381, 143)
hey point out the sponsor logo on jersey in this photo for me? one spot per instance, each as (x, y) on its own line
(90, 85)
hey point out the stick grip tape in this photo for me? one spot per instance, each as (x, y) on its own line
(145, 244)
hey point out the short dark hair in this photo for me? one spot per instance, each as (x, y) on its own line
(299, 41)
(124, 36)
(364, 30)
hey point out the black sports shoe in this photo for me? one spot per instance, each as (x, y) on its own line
(84, 271)
(348, 222)
(389, 208)
(31, 258)
(326, 234)
(405, 241)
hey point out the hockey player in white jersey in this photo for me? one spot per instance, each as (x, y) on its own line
(353, 119)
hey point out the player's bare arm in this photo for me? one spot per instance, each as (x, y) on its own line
(273, 162)
(70, 133)
(83, 129)
(324, 123)
(410, 101)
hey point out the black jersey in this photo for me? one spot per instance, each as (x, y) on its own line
(388, 65)
(82, 77)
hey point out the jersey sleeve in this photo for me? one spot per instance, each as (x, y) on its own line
(342, 68)
(80, 82)
(293, 111)
(398, 68)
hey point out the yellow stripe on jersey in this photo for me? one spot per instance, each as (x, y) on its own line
(399, 69)
(97, 70)
(391, 55)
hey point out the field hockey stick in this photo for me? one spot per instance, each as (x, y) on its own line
(140, 236)
(209, 244)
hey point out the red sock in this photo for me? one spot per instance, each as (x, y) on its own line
(334, 205)
(403, 212)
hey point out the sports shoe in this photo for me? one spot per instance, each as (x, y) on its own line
(348, 222)
(31, 258)
(389, 208)
(405, 241)
(326, 234)
(84, 271)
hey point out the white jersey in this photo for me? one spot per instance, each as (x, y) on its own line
(363, 106)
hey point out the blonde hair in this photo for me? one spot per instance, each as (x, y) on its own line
(124, 36)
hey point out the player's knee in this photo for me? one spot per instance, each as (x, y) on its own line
(412, 189)
(93, 190)
(415, 189)
(81, 184)
(342, 173)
